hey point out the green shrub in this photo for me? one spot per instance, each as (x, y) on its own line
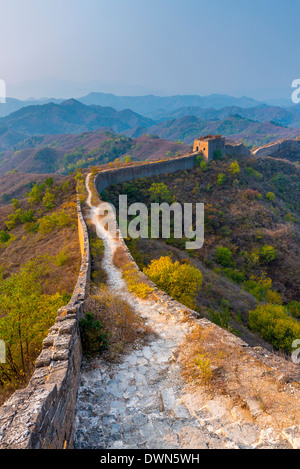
(35, 195)
(48, 223)
(281, 182)
(234, 275)
(294, 309)
(16, 203)
(199, 160)
(159, 193)
(31, 227)
(49, 182)
(61, 258)
(127, 159)
(218, 155)
(204, 166)
(270, 196)
(5, 198)
(234, 168)
(48, 200)
(252, 172)
(19, 216)
(64, 186)
(93, 338)
(275, 326)
(97, 247)
(224, 256)
(267, 254)
(252, 259)
(4, 237)
(258, 287)
(27, 217)
(221, 179)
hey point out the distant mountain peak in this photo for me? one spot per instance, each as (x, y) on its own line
(73, 102)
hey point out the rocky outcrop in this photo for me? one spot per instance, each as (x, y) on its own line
(42, 415)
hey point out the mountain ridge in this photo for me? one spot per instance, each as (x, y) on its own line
(136, 103)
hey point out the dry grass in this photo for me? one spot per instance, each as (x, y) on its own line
(203, 359)
(28, 246)
(121, 258)
(95, 199)
(121, 324)
(98, 274)
(135, 280)
(214, 365)
(16, 185)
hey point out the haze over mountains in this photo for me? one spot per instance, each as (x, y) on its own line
(253, 133)
(69, 117)
(145, 105)
(171, 120)
(101, 127)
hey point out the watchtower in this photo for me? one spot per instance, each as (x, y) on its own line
(210, 146)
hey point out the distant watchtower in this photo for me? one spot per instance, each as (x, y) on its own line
(210, 146)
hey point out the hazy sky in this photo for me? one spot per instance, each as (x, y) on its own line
(164, 46)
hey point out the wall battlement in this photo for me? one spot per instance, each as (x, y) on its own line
(129, 173)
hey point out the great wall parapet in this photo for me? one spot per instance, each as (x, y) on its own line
(41, 416)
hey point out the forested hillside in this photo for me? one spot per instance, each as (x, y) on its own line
(250, 258)
(39, 265)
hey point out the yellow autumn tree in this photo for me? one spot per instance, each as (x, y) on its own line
(275, 325)
(180, 281)
(26, 314)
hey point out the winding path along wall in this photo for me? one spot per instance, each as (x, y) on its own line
(42, 415)
(277, 148)
(142, 401)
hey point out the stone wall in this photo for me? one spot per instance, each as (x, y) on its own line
(129, 173)
(149, 169)
(280, 149)
(42, 415)
(236, 150)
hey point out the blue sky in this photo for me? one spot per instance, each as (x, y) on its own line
(164, 46)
